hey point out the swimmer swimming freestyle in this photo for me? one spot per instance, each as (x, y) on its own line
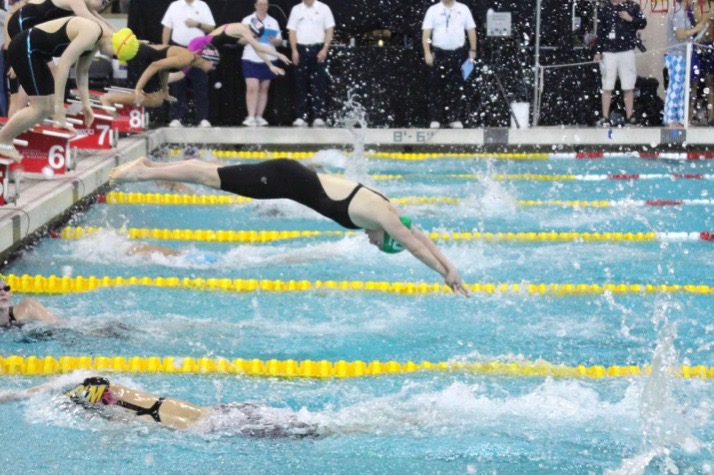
(116, 402)
(348, 203)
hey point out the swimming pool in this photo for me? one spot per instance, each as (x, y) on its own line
(422, 422)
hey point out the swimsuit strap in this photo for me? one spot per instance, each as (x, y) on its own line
(354, 192)
(152, 411)
(11, 314)
(360, 186)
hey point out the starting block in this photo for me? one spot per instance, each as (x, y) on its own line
(101, 135)
(5, 181)
(44, 147)
(131, 119)
(5, 172)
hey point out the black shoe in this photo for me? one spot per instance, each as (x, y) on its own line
(603, 122)
(632, 121)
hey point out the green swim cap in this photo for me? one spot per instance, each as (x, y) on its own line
(389, 245)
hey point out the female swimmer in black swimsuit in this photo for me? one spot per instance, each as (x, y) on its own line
(75, 41)
(248, 419)
(27, 14)
(25, 311)
(346, 202)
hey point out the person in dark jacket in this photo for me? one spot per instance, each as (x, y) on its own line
(618, 23)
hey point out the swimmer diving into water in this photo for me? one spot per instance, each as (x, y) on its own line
(348, 203)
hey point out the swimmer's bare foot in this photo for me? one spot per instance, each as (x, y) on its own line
(127, 172)
(9, 151)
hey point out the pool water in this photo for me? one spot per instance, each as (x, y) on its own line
(425, 422)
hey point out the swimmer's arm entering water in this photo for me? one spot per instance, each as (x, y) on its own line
(421, 247)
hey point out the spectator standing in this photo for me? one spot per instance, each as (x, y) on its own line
(702, 12)
(679, 31)
(310, 29)
(443, 41)
(183, 21)
(257, 74)
(618, 23)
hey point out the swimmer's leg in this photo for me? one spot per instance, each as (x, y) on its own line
(196, 172)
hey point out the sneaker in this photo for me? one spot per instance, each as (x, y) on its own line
(456, 125)
(175, 123)
(204, 123)
(260, 121)
(250, 122)
(299, 123)
(603, 122)
(318, 123)
(434, 125)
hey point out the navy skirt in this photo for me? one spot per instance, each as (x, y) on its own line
(259, 71)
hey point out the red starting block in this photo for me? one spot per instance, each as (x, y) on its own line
(44, 148)
(101, 135)
(130, 119)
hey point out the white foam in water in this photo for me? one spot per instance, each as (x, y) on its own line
(552, 405)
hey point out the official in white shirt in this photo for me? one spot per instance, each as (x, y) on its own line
(257, 74)
(183, 21)
(310, 28)
(445, 26)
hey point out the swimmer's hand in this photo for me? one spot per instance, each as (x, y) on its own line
(454, 282)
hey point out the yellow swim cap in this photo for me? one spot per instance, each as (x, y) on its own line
(125, 44)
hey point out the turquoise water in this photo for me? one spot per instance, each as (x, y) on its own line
(417, 423)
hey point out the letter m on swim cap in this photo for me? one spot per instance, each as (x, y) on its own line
(95, 392)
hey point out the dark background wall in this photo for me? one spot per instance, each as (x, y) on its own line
(391, 81)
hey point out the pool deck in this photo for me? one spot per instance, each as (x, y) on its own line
(42, 202)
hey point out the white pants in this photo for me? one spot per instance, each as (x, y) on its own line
(618, 64)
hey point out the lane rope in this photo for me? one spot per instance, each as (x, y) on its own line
(49, 365)
(590, 155)
(116, 197)
(262, 236)
(54, 284)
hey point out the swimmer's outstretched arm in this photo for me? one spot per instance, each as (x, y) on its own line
(19, 394)
(421, 247)
(452, 278)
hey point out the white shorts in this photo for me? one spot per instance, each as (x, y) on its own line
(618, 64)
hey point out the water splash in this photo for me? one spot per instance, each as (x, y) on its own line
(354, 119)
(663, 424)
